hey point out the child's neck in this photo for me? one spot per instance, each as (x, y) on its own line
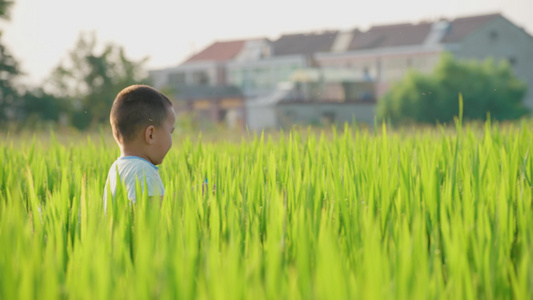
(134, 150)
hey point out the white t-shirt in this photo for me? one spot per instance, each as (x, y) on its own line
(130, 169)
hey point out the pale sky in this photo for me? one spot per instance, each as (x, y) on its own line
(41, 32)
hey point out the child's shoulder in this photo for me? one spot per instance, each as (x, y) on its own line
(134, 164)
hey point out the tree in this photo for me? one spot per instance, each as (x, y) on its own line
(37, 106)
(5, 6)
(91, 80)
(486, 87)
(9, 70)
(18, 103)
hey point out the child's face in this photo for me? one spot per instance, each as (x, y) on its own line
(163, 140)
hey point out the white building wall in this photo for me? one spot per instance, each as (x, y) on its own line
(260, 77)
(160, 78)
(385, 66)
(261, 117)
(505, 41)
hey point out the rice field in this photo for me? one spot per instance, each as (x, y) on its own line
(443, 213)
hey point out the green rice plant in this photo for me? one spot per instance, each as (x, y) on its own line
(339, 214)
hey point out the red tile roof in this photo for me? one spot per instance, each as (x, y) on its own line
(304, 43)
(376, 37)
(218, 51)
(461, 27)
(414, 34)
(390, 36)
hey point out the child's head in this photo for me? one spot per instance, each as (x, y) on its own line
(143, 119)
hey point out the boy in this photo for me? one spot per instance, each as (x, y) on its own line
(142, 120)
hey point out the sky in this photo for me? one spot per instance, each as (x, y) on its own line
(41, 33)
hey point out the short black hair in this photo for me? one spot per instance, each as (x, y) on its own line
(136, 107)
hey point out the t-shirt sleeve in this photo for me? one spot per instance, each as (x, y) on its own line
(154, 184)
(130, 171)
(143, 174)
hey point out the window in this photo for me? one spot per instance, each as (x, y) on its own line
(176, 79)
(290, 114)
(366, 74)
(493, 35)
(222, 115)
(328, 118)
(235, 77)
(200, 78)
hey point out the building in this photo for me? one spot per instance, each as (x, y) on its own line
(206, 68)
(259, 76)
(212, 105)
(386, 53)
(325, 74)
(280, 110)
(200, 87)
(316, 96)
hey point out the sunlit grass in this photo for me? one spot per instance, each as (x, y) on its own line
(347, 214)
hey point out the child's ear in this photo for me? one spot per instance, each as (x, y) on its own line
(149, 134)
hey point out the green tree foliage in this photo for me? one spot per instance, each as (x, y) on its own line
(5, 6)
(90, 79)
(37, 107)
(487, 87)
(9, 70)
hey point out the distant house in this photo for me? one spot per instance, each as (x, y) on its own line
(200, 86)
(385, 53)
(317, 96)
(331, 75)
(212, 105)
(258, 76)
(280, 109)
(300, 91)
(206, 68)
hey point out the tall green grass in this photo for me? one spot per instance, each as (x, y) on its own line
(352, 214)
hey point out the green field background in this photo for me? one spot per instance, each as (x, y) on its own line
(438, 213)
